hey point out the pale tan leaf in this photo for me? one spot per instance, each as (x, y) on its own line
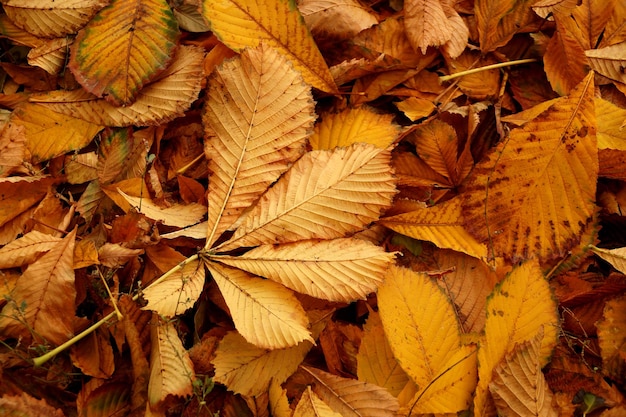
(50, 18)
(518, 386)
(26, 249)
(197, 231)
(179, 215)
(336, 19)
(352, 398)
(616, 257)
(51, 55)
(426, 24)
(114, 255)
(459, 32)
(325, 195)
(609, 61)
(257, 117)
(265, 313)
(248, 370)
(354, 125)
(166, 98)
(310, 405)
(178, 292)
(47, 295)
(171, 369)
(336, 270)
(375, 361)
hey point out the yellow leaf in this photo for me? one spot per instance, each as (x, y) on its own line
(350, 397)
(610, 119)
(426, 24)
(178, 292)
(51, 55)
(171, 369)
(441, 224)
(44, 298)
(534, 195)
(325, 195)
(415, 108)
(123, 48)
(265, 313)
(423, 333)
(179, 215)
(354, 125)
(310, 405)
(517, 310)
(248, 370)
(50, 134)
(278, 402)
(612, 338)
(166, 98)
(257, 117)
(519, 387)
(375, 361)
(240, 24)
(609, 61)
(336, 270)
(50, 18)
(26, 249)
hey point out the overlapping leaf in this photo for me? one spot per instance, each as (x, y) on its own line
(257, 116)
(612, 338)
(310, 405)
(240, 24)
(498, 21)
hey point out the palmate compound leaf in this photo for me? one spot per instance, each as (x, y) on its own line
(164, 99)
(423, 333)
(264, 312)
(519, 308)
(257, 117)
(241, 23)
(535, 193)
(335, 270)
(326, 194)
(123, 48)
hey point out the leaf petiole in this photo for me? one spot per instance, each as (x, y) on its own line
(485, 68)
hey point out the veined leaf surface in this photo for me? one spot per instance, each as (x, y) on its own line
(242, 23)
(257, 117)
(123, 48)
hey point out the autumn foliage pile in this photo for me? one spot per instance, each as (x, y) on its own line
(329, 208)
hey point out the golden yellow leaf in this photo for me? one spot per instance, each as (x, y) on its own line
(42, 306)
(51, 55)
(441, 224)
(240, 24)
(167, 97)
(612, 338)
(179, 215)
(518, 386)
(265, 313)
(609, 61)
(26, 249)
(375, 361)
(178, 292)
(171, 370)
(123, 48)
(426, 24)
(610, 119)
(534, 194)
(278, 402)
(257, 117)
(354, 125)
(351, 397)
(326, 194)
(310, 405)
(336, 270)
(336, 19)
(415, 108)
(519, 308)
(237, 360)
(50, 18)
(498, 21)
(423, 333)
(50, 134)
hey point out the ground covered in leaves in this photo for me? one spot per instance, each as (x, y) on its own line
(312, 208)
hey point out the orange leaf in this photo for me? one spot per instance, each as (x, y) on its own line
(612, 338)
(498, 21)
(426, 24)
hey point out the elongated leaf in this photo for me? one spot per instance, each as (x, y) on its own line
(519, 308)
(241, 23)
(166, 98)
(352, 398)
(25, 250)
(335, 270)
(609, 61)
(176, 215)
(123, 48)
(352, 126)
(424, 336)
(178, 292)
(426, 24)
(44, 298)
(325, 195)
(257, 117)
(616, 257)
(518, 386)
(50, 18)
(612, 338)
(171, 370)
(265, 313)
(535, 194)
(237, 360)
(498, 21)
(441, 224)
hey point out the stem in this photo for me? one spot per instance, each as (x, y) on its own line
(40, 360)
(486, 68)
